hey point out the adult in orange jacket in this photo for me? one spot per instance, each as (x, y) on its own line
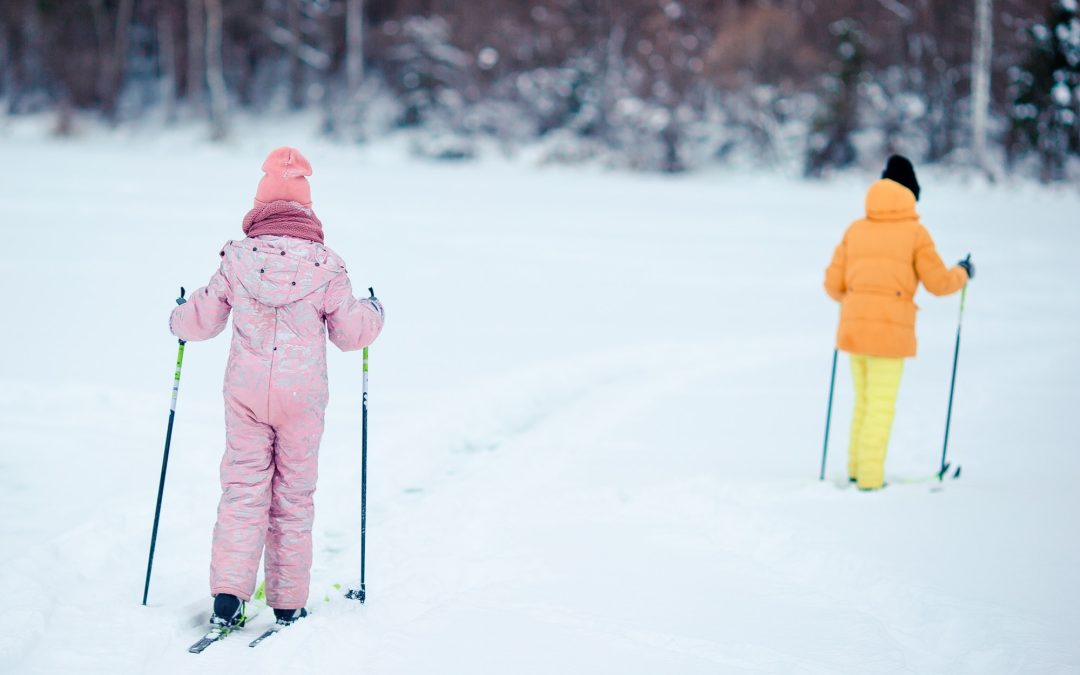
(873, 275)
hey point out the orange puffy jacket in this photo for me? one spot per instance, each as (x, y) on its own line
(876, 269)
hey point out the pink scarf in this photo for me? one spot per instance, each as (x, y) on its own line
(288, 219)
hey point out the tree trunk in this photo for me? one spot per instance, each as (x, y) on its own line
(196, 70)
(5, 69)
(215, 75)
(296, 72)
(614, 69)
(118, 59)
(980, 80)
(167, 59)
(29, 72)
(354, 45)
(329, 89)
(99, 14)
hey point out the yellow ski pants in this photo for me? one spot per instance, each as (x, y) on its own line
(877, 382)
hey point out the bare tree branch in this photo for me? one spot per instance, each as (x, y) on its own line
(285, 38)
(898, 8)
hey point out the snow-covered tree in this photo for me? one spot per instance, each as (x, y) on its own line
(1045, 111)
(429, 69)
(830, 143)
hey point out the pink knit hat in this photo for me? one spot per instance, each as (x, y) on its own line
(286, 178)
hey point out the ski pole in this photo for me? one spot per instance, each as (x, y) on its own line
(828, 414)
(361, 593)
(952, 388)
(165, 458)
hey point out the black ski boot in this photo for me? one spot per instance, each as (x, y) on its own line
(228, 611)
(287, 617)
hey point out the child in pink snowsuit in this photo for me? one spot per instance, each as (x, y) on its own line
(287, 293)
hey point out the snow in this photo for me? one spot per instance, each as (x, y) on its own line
(596, 418)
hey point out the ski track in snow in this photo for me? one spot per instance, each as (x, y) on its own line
(596, 417)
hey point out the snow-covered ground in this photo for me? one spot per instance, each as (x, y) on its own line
(596, 419)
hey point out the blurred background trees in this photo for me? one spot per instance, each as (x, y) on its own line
(652, 84)
(1044, 93)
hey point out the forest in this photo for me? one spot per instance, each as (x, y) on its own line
(655, 85)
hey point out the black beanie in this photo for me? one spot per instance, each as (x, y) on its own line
(900, 170)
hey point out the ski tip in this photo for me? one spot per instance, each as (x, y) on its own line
(202, 644)
(266, 634)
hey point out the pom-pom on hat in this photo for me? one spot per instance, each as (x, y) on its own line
(899, 169)
(286, 178)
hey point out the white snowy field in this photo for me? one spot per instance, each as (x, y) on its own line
(596, 422)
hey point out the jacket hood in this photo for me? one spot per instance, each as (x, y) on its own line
(889, 200)
(279, 270)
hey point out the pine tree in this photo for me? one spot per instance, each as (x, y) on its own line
(431, 71)
(1045, 93)
(830, 143)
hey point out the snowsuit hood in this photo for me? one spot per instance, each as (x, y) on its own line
(278, 271)
(888, 200)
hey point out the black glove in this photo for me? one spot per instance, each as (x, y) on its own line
(376, 304)
(181, 299)
(968, 266)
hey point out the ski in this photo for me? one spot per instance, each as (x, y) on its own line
(278, 625)
(938, 477)
(215, 634)
(949, 473)
(266, 633)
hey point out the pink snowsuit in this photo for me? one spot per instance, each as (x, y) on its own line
(286, 296)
